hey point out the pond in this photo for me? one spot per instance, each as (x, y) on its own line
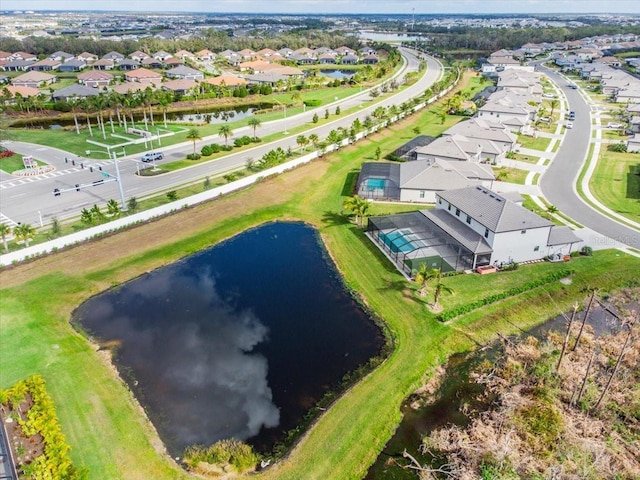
(219, 116)
(240, 340)
(339, 74)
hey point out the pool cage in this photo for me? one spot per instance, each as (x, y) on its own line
(411, 239)
(379, 181)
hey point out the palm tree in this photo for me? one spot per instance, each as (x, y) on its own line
(254, 122)
(24, 232)
(194, 136)
(99, 102)
(423, 276)
(74, 103)
(302, 141)
(164, 99)
(439, 289)
(554, 103)
(358, 206)
(552, 209)
(315, 140)
(225, 131)
(5, 231)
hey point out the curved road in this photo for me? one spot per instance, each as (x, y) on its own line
(30, 200)
(559, 180)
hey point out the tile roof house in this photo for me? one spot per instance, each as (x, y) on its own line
(143, 75)
(181, 86)
(75, 91)
(61, 56)
(633, 144)
(116, 57)
(128, 64)
(226, 79)
(456, 147)
(95, 78)
(24, 92)
(470, 227)
(478, 128)
(34, 79)
(205, 55)
(184, 55)
(73, 65)
(16, 65)
(87, 57)
(103, 64)
(151, 63)
(185, 72)
(138, 56)
(419, 180)
(46, 65)
(161, 55)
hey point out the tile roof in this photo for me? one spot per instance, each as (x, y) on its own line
(492, 210)
(467, 237)
(562, 236)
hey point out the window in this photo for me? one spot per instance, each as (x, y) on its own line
(536, 248)
(468, 219)
(486, 233)
(449, 207)
(522, 232)
(457, 212)
(421, 193)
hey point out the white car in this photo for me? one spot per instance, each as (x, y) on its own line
(614, 125)
(548, 95)
(569, 125)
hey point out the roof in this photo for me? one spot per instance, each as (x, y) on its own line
(432, 175)
(143, 73)
(226, 78)
(22, 91)
(33, 76)
(459, 231)
(562, 236)
(493, 211)
(479, 128)
(179, 84)
(128, 87)
(76, 90)
(95, 75)
(183, 71)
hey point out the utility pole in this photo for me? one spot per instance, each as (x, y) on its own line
(119, 180)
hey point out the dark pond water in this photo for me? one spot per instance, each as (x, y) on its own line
(221, 116)
(339, 74)
(239, 340)
(458, 389)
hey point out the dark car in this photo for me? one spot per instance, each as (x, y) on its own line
(152, 157)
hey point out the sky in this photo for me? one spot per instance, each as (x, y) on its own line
(335, 6)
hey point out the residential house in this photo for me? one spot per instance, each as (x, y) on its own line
(103, 64)
(246, 53)
(508, 112)
(254, 66)
(420, 180)
(17, 65)
(180, 86)
(33, 79)
(46, 65)
(172, 62)
(184, 55)
(143, 75)
(115, 57)
(346, 51)
(286, 52)
(629, 94)
(456, 147)
(5, 56)
(371, 59)
(95, 78)
(151, 63)
(481, 129)
(205, 55)
(349, 59)
(327, 58)
(226, 80)
(303, 59)
(470, 227)
(61, 56)
(26, 56)
(73, 65)
(73, 92)
(138, 56)
(634, 123)
(231, 57)
(267, 52)
(162, 56)
(24, 92)
(633, 144)
(132, 87)
(185, 72)
(87, 57)
(128, 64)
(267, 78)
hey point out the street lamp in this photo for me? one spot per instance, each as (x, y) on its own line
(114, 157)
(284, 107)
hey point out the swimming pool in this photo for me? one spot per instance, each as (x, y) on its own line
(376, 184)
(402, 241)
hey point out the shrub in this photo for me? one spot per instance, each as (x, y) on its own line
(6, 153)
(215, 148)
(222, 454)
(242, 141)
(617, 147)
(256, 140)
(206, 151)
(587, 251)
(313, 102)
(194, 156)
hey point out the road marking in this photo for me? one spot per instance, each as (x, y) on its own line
(6, 220)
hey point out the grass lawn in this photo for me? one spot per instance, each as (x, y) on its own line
(534, 143)
(616, 184)
(511, 175)
(526, 158)
(14, 163)
(106, 429)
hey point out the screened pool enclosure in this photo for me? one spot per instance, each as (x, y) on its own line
(411, 239)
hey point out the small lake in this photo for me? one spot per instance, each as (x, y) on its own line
(220, 116)
(240, 340)
(339, 74)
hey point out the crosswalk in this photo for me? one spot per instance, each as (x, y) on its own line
(7, 221)
(15, 182)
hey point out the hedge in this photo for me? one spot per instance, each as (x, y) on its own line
(496, 297)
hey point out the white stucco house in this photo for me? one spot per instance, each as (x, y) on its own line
(469, 227)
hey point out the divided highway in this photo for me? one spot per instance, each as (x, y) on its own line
(29, 200)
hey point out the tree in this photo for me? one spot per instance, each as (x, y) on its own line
(132, 205)
(378, 152)
(315, 140)
(97, 215)
(440, 288)
(326, 114)
(315, 118)
(358, 206)
(554, 103)
(254, 122)
(423, 276)
(552, 209)
(24, 232)
(194, 136)
(55, 227)
(338, 110)
(416, 130)
(302, 141)
(172, 195)
(5, 231)
(334, 138)
(225, 131)
(113, 208)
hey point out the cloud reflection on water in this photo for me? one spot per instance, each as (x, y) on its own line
(199, 377)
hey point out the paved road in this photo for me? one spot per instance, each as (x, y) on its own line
(29, 200)
(558, 182)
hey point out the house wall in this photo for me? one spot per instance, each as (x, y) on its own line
(418, 196)
(472, 223)
(520, 247)
(633, 146)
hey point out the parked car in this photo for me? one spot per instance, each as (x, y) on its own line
(572, 115)
(152, 157)
(548, 95)
(569, 125)
(614, 125)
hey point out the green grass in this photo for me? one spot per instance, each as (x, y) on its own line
(100, 418)
(615, 182)
(534, 143)
(525, 158)
(511, 175)
(14, 163)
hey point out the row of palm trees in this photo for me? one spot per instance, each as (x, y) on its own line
(23, 232)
